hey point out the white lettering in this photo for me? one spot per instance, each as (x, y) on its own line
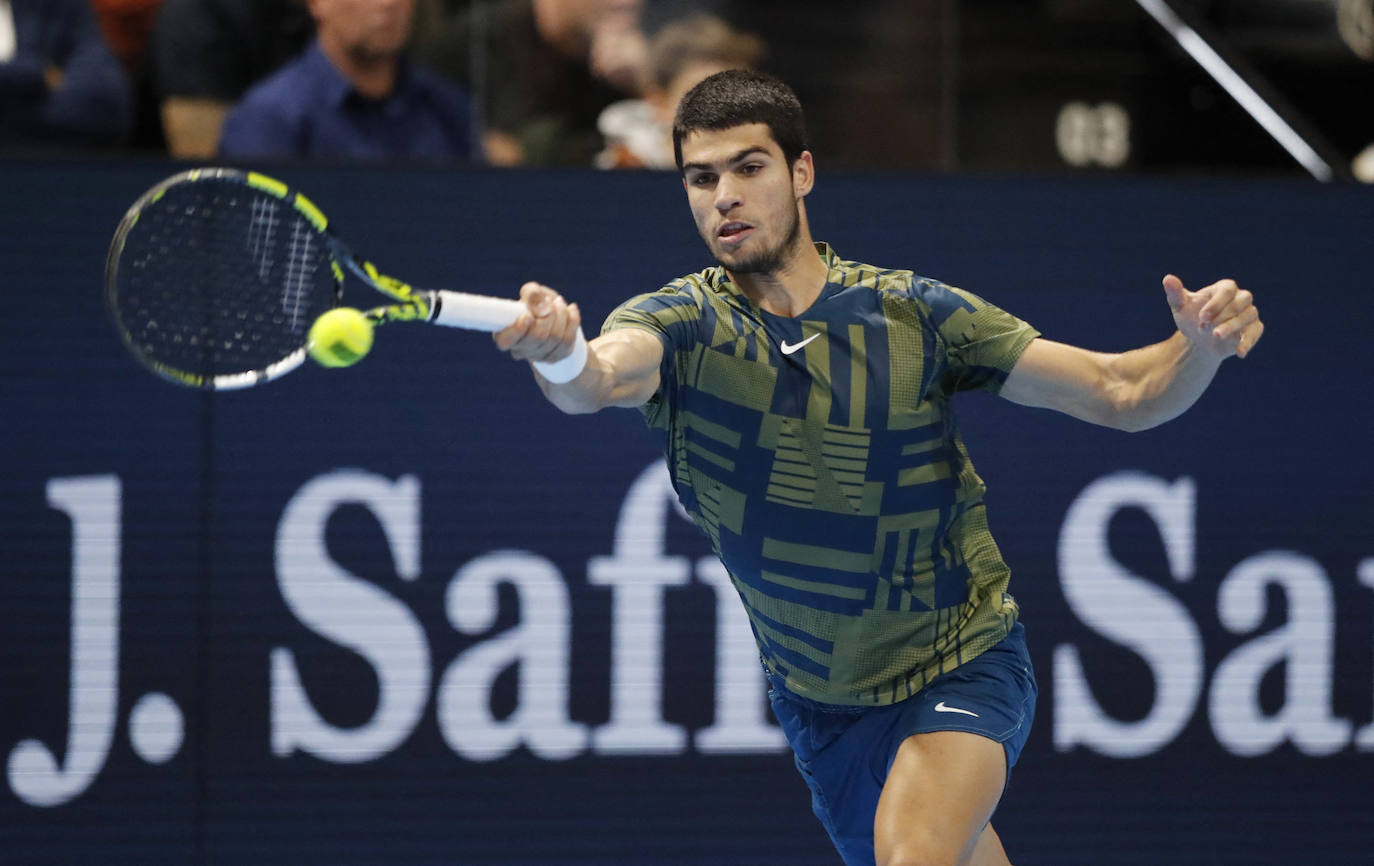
(638, 572)
(1304, 645)
(743, 721)
(93, 504)
(539, 645)
(352, 613)
(1364, 737)
(1131, 611)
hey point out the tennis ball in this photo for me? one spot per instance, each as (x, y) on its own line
(340, 338)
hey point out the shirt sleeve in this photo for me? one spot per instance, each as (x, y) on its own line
(982, 342)
(671, 314)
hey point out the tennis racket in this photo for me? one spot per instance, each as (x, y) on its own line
(215, 276)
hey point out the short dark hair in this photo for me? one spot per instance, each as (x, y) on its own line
(737, 97)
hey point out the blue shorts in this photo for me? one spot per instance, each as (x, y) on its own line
(845, 753)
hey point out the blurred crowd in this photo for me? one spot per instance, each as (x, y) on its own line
(503, 82)
(888, 84)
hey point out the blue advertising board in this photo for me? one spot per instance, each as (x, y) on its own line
(408, 613)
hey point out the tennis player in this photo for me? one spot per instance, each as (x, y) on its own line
(804, 403)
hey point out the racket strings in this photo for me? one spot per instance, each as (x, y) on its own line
(217, 279)
(300, 270)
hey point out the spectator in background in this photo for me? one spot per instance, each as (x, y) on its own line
(639, 132)
(126, 26)
(542, 71)
(352, 95)
(128, 30)
(59, 83)
(207, 53)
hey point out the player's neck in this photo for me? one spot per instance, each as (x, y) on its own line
(794, 286)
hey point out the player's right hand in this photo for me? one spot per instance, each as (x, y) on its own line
(546, 331)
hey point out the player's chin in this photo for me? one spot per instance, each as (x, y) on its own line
(732, 258)
(755, 264)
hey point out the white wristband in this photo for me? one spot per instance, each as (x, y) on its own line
(566, 369)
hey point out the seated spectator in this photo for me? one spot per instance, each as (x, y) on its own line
(59, 82)
(352, 96)
(542, 71)
(207, 53)
(127, 26)
(639, 132)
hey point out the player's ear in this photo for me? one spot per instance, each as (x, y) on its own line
(803, 173)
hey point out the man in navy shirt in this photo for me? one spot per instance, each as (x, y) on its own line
(352, 95)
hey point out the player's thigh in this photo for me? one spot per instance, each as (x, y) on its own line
(989, 850)
(939, 795)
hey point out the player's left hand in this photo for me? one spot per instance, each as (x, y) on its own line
(1221, 319)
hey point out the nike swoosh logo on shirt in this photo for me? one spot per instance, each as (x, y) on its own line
(789, 348)
(941, 708)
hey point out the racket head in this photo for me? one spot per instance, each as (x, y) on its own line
(215, 275)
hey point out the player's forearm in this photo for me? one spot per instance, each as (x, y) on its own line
(621, 370)
(1158, 383)
(618, 368)
(583, 395)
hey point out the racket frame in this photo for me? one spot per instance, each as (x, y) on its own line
(453, 309)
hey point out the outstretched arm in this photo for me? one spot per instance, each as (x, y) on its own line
(1145, 387)
(622, 366)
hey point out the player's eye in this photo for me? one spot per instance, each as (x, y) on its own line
(751, 168)
(703, 179)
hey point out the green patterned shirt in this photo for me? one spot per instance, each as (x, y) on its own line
(820, 456)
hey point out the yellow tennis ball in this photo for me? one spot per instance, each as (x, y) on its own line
(340, 338)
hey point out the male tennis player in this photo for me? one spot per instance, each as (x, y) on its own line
(804, 402)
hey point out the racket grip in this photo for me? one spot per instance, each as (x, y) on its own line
(473, 312)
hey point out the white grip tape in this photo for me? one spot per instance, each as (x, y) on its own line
(475, 312)
(566, 369)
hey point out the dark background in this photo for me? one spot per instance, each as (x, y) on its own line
(982, 85)
(1277, 451)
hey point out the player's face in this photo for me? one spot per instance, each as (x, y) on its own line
(745, 197)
